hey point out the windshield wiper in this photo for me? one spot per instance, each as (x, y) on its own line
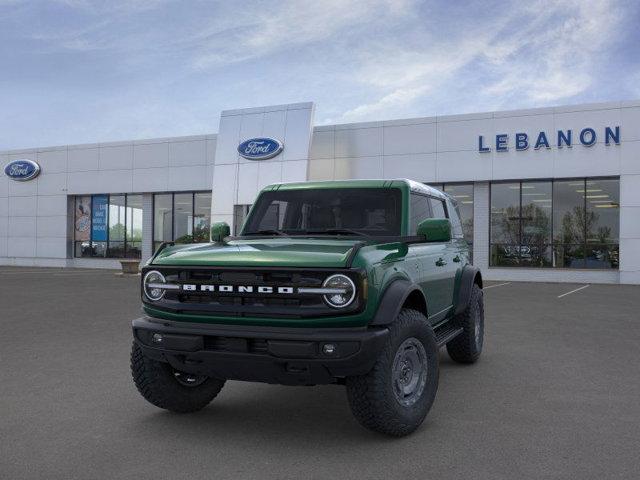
(268, 232)
(337, 231)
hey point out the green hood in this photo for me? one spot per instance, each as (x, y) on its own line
(264, 252)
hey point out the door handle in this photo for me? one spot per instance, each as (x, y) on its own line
(456, 259)
(440, 262)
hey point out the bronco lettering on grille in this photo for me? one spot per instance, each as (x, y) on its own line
(189, 287)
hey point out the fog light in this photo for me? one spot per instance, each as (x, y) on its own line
(157, 338)
(328, 349)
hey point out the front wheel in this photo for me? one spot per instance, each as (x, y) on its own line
(171, 389)
(396, 395)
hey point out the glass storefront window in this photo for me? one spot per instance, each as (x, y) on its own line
(201, 217)
(463, 194)
(563, 224)
(505, 224)
(162, 219)
(108, 226)
(134, 225)
(535, 243)
(183, 217)
(117, 220)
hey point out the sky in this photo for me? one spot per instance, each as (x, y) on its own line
(79, 71)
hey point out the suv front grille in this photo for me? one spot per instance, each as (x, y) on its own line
(249, 304)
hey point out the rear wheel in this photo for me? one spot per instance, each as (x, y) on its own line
(165, 387)
(396, 395)
(467, 347)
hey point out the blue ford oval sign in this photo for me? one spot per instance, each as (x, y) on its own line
(260, 148)
(22, 170)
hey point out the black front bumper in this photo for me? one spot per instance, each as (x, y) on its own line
(288, 356)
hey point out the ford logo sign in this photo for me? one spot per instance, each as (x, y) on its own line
(260, 148)
(22, 170)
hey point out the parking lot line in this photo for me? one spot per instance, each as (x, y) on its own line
(573, 291)
(496, 285)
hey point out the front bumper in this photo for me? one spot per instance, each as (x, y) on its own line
(288, 356)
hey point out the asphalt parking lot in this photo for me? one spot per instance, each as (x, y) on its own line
(555, 395)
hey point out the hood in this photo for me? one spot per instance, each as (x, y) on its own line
(264, 252)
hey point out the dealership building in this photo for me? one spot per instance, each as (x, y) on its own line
(547, 194)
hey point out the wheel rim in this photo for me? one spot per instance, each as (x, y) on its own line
(188, 379)
(410, 370)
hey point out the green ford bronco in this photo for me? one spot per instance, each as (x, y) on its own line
(356, 283)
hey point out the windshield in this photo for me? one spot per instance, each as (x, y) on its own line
(332, 211)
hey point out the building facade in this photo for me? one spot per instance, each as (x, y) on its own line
(549, 194)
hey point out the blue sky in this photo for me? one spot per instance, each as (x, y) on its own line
(76, 71)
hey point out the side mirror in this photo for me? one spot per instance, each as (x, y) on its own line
(219, 231)
(435, 229)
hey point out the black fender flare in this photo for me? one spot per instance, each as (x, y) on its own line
(467, 279)
(392, 300)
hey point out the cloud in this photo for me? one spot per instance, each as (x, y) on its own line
(263, 31)
(541, 53)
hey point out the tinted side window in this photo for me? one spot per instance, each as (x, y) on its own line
(420, 209)
(454, 216)
(437, 208)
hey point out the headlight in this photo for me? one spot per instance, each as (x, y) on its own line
(343, 291)
(152, 284)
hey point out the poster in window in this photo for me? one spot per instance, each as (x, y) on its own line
(83, 219)
(99, 214)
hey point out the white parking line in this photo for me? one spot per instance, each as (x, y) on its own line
(496, 285)
(573, 291)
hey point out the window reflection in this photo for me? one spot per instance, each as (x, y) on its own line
(183, 217)
(564, 224)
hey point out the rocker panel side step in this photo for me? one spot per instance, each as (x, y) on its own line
(446, 334)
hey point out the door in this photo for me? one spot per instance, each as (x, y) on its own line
(436, 268)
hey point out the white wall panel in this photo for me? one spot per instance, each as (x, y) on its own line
(115, 181)
(188, 153)
(22, 206)
(52, 161)
(52, 183)
(83, 159)
(630, 124)
(51, 205)
(51, 247)
(150, 180)
(294, 171)
(151, 155)
(420, 138)
(322, 144)
(247, 182)
(52, 226)
(419, 167)
(630, 157)
(118, 157)
(463, 166)
(321, 169)
(188, 178)
(358, 142)
(22, 227)
(359, 168)
(21, 246)
(269, 173)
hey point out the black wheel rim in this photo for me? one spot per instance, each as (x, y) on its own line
(189, 379)
(409, 374)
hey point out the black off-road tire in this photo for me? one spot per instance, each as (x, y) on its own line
(156, 382)
(467, 347)
(372, 396)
